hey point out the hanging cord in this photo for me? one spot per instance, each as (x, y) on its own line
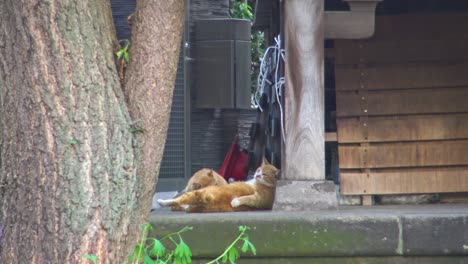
(265, 68)
(279, 83)
(278, 87)
(265, 65)
(272, 52)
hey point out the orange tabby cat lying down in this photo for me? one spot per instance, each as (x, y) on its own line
(256, 194)
(204, 178)
(201, 179)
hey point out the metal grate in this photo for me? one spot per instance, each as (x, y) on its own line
(173, 162)
(121, 9)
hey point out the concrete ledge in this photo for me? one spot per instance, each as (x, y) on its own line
(354, 235)
(364, 260)
(304, 195)
(435, 234)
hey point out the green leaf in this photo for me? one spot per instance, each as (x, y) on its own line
(182, 260)
(245, 246)
(119, 54)
(233, 255)
(167, 259)
(158, 249)
(131, 257)
(137, 130)
(252, 248)
(248, 245)
(147, 259)
(73, 141)
(93, 258)
(138, 252)
(127, 56)
(147, 226)
(183, 253)
(241, 10)
(127, 44)
(224, 259)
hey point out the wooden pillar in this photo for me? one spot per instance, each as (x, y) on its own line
(302, 185)
(304, 149)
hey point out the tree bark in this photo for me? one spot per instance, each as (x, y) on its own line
(156, 37)
(69, 182)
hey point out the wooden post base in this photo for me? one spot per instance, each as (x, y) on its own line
(367, 200)
(305, 195)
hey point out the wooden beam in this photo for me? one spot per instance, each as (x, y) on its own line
(367, 200)
(402, 76)
(424, 181)
(304, 149)
(397, 102)
(403, 128)
(414, 26)
(397, 155)
(454, 198)
(399, 51)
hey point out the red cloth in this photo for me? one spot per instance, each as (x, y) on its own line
(235, 163)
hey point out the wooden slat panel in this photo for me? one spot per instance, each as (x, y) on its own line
(454, 198)
(419, 101)
(331, 137)
(414, 154)
(409, 69)
(359, 52)
(436, 181)
(421, 26)
(403, 128)
(401, 76)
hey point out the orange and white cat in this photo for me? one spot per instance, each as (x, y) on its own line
(201, 179)
(256, 194)
(204, 178)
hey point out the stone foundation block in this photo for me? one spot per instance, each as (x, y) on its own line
(304, 195)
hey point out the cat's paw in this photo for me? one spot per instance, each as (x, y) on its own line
(235, 202)
(164, 202)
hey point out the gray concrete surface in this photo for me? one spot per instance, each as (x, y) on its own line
(304, 195)
(389, 234)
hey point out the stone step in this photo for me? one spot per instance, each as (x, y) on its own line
(389, 234)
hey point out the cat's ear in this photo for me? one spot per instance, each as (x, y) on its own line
(278, 174)
(265, 161)
(210, 174)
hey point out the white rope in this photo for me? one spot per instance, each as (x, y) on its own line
(278, 87)
(279, 82)
(272, 52)
(265, 67)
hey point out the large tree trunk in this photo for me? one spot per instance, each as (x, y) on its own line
(69, 181)
(157, 33)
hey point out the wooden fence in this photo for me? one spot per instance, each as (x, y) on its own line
(402, 106)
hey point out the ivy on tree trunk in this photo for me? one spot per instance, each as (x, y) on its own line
(74, 178)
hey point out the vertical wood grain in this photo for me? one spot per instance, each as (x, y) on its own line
(304, 92)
